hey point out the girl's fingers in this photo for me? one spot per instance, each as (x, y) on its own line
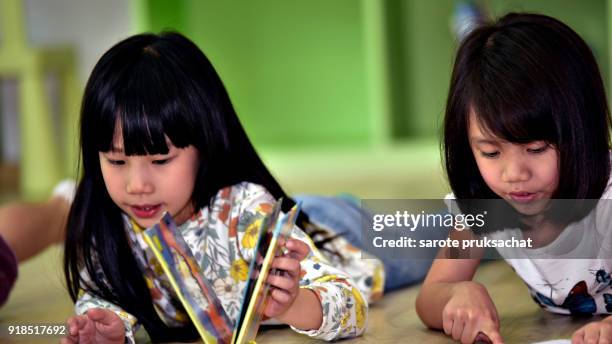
(73, 326)
(81, 322)
(280, 296)
(605, 334)
(447, 324)
(288, 264)
(578, 337)
(496, 318)
(298, 249)
(591, 334)
(102, 316)
(470, 330)
(494, 336)
(458, 324)
(282, 282)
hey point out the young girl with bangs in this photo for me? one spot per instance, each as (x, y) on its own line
(527, 123)
(158, 133)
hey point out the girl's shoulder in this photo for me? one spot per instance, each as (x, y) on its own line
(244, 195)
(242, 190)
(603, 210)
(607, 194)
(451, 203)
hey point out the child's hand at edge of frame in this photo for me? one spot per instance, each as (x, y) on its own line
(286, 285)
(469, 311)
(98, 325)
(597, 332)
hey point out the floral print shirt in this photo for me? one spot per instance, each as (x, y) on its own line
(366, 270)
(222, 238)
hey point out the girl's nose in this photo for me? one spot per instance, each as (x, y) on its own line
(139, 182)
(515, 171)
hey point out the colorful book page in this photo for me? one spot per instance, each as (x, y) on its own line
(261, 247)
(257, 304)
(195, 293)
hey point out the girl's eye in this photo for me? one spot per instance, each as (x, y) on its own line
(489, 154)
(537, 150)
(161, 161)
(116, 162)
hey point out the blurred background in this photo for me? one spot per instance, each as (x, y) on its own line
(337, 96)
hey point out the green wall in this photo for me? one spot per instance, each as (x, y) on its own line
(295, 70)
(421, 56)
(311, 73)
(422, 48)
(164, 14)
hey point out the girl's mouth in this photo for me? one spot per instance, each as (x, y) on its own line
(145, 211)
(523, 197)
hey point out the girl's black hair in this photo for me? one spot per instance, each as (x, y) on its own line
(529, 77)
(154, 86)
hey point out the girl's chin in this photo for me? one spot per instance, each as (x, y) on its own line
(146, 223)
(531, 209)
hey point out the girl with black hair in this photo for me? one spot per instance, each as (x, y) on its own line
(527, 123)
(159, 133)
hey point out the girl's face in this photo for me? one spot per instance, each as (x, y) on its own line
(525, 175)
(144, 186)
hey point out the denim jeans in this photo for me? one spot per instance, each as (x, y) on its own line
(344, 216)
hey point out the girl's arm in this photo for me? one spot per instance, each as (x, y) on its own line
(340, 310)
(451, 301)
(443, 280)
(339, 305)
(305, 313)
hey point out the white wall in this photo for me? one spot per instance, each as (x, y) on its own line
(90, 26)
(9, 128)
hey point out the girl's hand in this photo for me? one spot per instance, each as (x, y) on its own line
(96, 326)
(595, 332)
(469, 311)
(285, 284)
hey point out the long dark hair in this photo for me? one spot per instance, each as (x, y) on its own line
(153, 85)
(529, 77)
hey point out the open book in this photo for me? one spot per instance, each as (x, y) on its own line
(198, 296)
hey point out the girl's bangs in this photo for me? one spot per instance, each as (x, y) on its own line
(513, 112)
(146, 105)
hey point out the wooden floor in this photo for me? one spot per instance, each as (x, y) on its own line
(39, 297)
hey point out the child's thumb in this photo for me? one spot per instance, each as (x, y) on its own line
(100, 315)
